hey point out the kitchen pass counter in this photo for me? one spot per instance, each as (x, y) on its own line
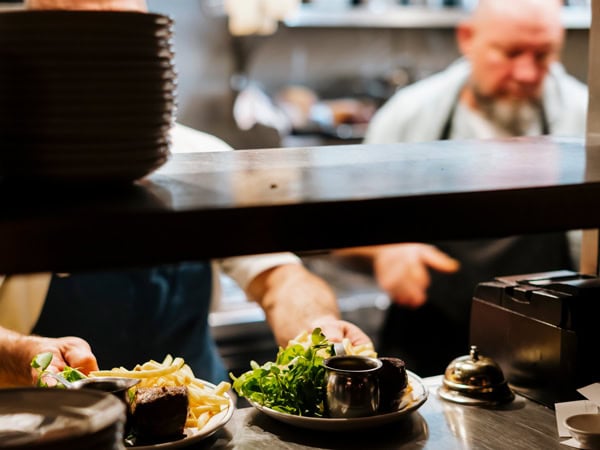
(438, 424)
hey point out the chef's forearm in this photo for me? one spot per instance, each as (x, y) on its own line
(293, 300)
(14, 369)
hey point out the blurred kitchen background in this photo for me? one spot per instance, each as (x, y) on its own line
(312, 75)
(319, 75)
(314, 79)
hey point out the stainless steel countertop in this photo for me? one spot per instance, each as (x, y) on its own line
(438, 424)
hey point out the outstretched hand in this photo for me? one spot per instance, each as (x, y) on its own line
(402, 270)
(19, 350)
(68, 351)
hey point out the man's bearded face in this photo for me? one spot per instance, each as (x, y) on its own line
(513, 115)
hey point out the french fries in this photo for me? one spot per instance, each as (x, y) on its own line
(359, 350)
(204, 401)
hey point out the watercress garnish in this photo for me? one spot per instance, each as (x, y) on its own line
(294, 383)
(41, 362)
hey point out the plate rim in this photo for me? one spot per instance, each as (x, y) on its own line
(342, 424)
(199, 435)
(94, 412)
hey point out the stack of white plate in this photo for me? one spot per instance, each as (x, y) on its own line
(85, 95)
(58, 419)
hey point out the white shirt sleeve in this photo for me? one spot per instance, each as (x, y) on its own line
(243, 269)
(188, 140)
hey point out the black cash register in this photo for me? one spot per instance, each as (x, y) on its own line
(543, 330)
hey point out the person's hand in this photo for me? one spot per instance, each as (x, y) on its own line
(107, 5)
(402, 270)
(336, 330)
(70, 351)
(296, 300)
(67, 351)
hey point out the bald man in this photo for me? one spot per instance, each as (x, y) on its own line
(508, 83)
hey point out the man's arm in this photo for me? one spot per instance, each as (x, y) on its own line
(402, 270)
(17, 351)
(295, 300)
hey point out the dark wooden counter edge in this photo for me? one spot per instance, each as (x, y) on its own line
(91, 229)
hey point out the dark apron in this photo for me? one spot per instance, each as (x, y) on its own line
(132, 316)
(429, 337)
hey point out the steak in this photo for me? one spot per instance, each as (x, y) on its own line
(159, 413)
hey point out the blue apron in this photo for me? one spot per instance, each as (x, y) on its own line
(134, 315)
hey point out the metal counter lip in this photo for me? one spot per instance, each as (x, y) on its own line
(521, 425)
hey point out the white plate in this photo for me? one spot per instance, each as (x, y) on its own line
(411, 401)
(194, 435)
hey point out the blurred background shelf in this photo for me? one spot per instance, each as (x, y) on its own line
(399, 16)
(384, 17)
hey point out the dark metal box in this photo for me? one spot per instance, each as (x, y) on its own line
(542, 329)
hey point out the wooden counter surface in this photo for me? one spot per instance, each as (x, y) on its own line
(255, 201)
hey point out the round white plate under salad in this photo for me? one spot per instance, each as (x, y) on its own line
(411, 401)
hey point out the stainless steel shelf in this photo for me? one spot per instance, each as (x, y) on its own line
(365, 17)
(577, 17)
(405, 17)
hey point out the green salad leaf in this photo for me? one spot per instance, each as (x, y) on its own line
(41, 362)
(294, 383)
